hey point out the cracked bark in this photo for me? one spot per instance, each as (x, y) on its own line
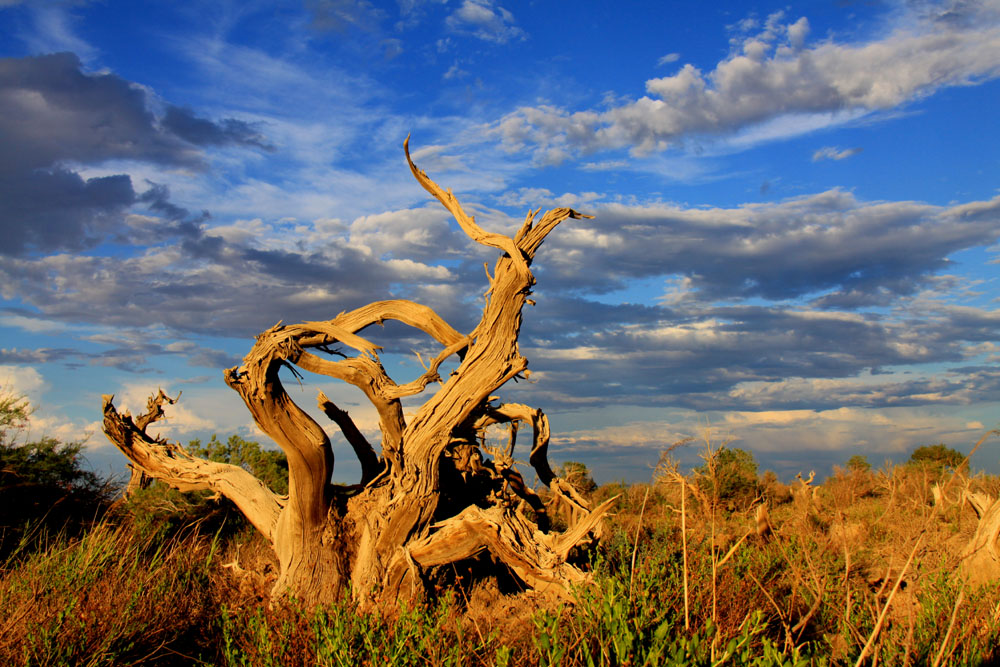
(981, 556)
(428, 497)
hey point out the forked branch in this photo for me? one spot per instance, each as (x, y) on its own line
(171, 464)
(465, 221)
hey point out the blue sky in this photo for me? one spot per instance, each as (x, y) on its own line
(797, 210)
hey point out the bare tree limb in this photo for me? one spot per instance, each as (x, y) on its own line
(171, 464)
(465, 221)
(509, 538)
(370, 466)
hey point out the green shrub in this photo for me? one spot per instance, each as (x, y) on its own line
(41, 480)
(730, 475)
(578, 475)
(858, 463)
(268, 465)
(159, 511)
(937, 457)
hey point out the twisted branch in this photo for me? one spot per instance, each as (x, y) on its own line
(171, 464)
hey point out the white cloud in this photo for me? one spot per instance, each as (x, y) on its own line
(830, 241)
(23, 380)
(667, 59)
(455, 72)
(29, 382)
(485, 20)
(52, 32)
(31, 324)
(772, 75)
(535, 197)
(55, 426)
(834, 153)
(872, 432)
(420, 234)
(180, 417)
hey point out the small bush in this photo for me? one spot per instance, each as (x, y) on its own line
(43, 485)
(268, 465)
(578, 475)
(937, 457)
(730, 476)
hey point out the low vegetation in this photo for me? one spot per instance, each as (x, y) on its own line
(718, 565)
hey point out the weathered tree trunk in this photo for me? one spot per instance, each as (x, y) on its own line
(981, 556)
(430, 498)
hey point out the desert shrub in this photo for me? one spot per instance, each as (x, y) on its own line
(937, 457)
(774, 490)
(268, 465)
(859, 463)
(109, 597)
(730, 476)
(341, 634)
(848, 484)
(41, 481)
(578, 475)
(612, 489)
(158, 511)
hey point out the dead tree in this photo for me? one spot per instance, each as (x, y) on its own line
(981, 556)
(427, 497)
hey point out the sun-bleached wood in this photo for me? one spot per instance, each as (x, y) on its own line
(428, 497)
(981, 556)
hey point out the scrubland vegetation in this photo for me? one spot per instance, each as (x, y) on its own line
(719, 565)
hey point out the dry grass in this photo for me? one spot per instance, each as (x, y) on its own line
(862, 571)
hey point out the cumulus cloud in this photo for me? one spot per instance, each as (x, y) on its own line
(773, 74)
(787, 442)
(52, 210)
(485, 20)
(716, 357)
(534, 197)
(861, 253)
(870, 391)
(53, 113)
(767, 432)
(419, 234)
(34, 356)
(823, 261)
(22, 380)
(182, 418)
(128, 349)
(203, 283)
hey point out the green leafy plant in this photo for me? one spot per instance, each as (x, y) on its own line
(41, 480)
(858, 463)
(578, 475)
(730, 475)
(937, 457)
(268, 465)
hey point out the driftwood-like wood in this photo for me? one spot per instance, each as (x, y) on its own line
(428, 496)
(981, 556)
